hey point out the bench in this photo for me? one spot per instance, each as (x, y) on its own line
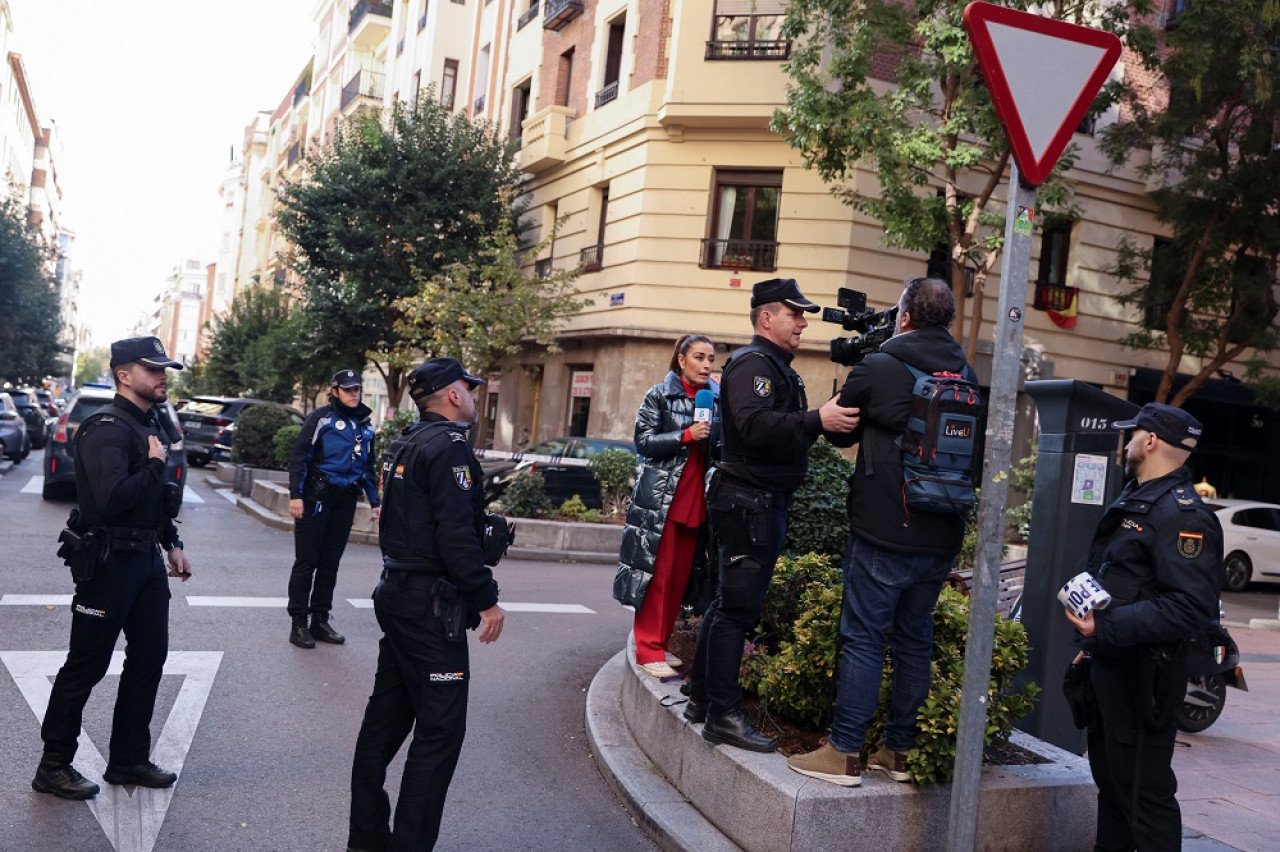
(1012, 576)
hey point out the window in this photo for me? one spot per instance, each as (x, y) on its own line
(482, 77)
(748, 29)
(591, 258)
(1055, 243)
(580, 382)
(1263, 519)
(1164, 269)
(417, 84)
(564, 78)
(612, 61)
(1251, 281)
(520, 109)
(744, 221)
(449, 83)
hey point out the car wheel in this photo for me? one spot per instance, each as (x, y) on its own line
(1236, 572)
(197, 460)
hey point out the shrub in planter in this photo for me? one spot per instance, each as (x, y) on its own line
(615, 470)
(526, 496)
(819, 521)
(283, 443)
(792, 669)
(574, 509)
(256, 430)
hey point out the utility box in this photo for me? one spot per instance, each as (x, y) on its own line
(1079, 473)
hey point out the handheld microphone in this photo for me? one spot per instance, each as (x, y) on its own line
(702, 402)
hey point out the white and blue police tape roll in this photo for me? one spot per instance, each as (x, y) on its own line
(1082, 594)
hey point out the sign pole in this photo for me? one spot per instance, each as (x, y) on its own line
(1005, 376)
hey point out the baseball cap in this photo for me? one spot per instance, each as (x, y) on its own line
(783, 290)
(438, 373)
(1169, 424)
(144, 350)
(345, 379)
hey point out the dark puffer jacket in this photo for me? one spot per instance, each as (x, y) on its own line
(664, 415)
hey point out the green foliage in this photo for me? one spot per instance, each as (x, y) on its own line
(526, 496)
(1023, 481)
(1209, 294)
(29, 346)
(184, 384)
(574, 509)
(615, 470)
(931, 138)
(92, 365)
(391, 429)
(256, 429)
(819, 521)
(257, 350)
(792, 667)
(283, 441)
(385, 208)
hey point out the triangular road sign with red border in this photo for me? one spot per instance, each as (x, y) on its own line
(1043, 76)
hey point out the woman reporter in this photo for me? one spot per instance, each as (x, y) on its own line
(667, 521)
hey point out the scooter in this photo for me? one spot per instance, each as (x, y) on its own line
(1214, 665)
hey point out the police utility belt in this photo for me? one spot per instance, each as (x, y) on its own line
(447, 604)
(724, 493)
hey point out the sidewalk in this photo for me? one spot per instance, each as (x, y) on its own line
(1228, 776)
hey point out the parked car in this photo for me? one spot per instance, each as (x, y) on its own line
(15, 443)
(563, 481)
(1250, 542)
(59, 457)
(209, 425)
(48, 402)
(32, 414)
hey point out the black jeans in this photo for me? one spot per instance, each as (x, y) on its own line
(129, 593)
(319, 539)
(1124, 750)
(748, 543)
(420, 686)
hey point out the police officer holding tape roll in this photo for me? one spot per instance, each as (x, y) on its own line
(767, 435)
(1158, 553)
(436, 581)
(124, 517)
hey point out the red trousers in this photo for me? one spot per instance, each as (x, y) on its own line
(657, 614)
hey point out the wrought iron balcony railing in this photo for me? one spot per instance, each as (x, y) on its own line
(478, 106)
(608, 93)
(591, 258)
(760, 255)
(775, 50)
(559, 13)
(365, 84)
(529, 15)
(381, 8)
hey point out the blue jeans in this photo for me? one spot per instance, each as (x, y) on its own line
(888, 599)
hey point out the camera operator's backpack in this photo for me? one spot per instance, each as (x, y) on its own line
(940, 442)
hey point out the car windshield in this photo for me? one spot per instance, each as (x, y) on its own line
(85, 406)
(6, 402)
(554, 447)
(211, 407)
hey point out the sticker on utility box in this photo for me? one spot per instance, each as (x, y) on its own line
(1089, 479)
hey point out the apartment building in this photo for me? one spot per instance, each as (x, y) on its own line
(644, 126)
(181, 311)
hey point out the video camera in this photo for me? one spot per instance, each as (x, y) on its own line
(852, 315)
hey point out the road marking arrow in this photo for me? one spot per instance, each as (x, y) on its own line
(130, 817)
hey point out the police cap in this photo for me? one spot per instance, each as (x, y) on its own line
(783, 290)
(1169, 424)
(147, 351)
(345, 379)
(438, 373)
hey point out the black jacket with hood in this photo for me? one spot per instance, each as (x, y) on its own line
(882, 387)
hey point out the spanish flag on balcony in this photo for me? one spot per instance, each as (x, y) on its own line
(1066, 318)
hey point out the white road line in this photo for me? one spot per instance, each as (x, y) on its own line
(569, 609)
(228, 493)
(189, 495)
(34, 485)
(130, 817)
(214, 600)
(35, 600)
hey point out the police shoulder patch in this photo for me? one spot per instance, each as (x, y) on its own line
(462, 477)
(1190, 544)
(762, 385)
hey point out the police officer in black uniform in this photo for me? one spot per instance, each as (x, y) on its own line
(767, 435)
(434, 584)
(127, 509)
(1158, 552)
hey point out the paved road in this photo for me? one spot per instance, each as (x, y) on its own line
(1259, 601)
(264, 731)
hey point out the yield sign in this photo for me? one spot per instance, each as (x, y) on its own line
(1043, 75)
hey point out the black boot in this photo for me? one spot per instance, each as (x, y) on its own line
(140, 774)
(322, 632)
(733, 728)
(299, 634)
(61, 779)
(695, 711)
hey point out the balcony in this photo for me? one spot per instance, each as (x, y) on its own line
(591, 258)
(543, 139)
(478, 106)
(761, 50)
(365, 89)
(758, 255)
(559, 13)
(369, 23)
(301, 91)
(295, 152)
(608, 93)
(529, 15)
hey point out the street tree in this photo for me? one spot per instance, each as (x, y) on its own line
(483, 310)
(894, 87)
(244, 349)
(29, 346)
(1205, 134)
(385, 207)
(92, 365)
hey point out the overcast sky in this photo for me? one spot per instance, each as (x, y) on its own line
(149, 98)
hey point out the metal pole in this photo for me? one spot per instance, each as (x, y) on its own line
(1005, 374)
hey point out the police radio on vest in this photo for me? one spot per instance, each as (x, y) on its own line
(702, 402)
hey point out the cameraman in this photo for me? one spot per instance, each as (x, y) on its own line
(896, 560)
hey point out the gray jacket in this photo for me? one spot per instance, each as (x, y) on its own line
(664, 415)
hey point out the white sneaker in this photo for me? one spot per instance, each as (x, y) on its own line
(673, 660)
(658, 669)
